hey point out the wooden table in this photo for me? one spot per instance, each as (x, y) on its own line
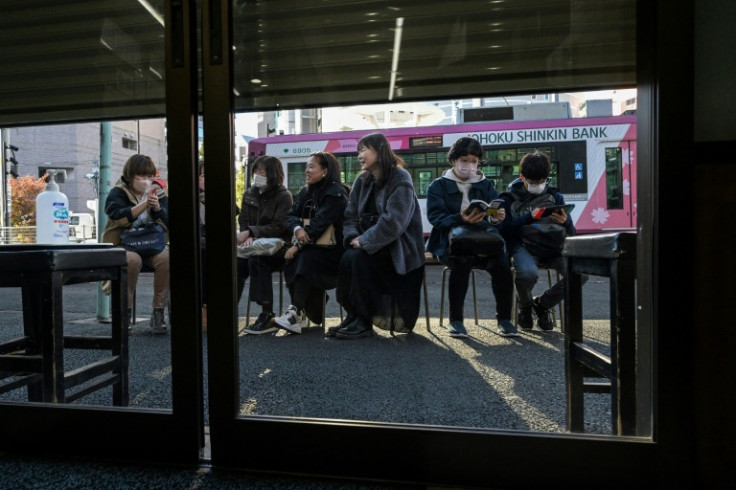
(611, 255)
(36, 359)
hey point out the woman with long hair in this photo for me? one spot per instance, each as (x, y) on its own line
(382, 268)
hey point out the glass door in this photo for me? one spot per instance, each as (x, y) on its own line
(86, 86)
(267, 56)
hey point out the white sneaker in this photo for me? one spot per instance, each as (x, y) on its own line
(291, 320)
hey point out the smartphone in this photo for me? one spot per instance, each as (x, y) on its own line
(555, 209)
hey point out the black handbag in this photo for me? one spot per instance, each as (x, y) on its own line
(543, 240)
(147, 240)
(367, 220)
(475, 241)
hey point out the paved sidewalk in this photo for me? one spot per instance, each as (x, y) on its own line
(428, 377)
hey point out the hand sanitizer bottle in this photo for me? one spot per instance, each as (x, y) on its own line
(52, 213)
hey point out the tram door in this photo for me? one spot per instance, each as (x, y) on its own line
(620, 185)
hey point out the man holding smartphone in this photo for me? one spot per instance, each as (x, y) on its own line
(535, 239)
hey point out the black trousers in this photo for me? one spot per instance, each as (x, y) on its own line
(369, 287)
(501, 283)
(259, 268)
(311, 272)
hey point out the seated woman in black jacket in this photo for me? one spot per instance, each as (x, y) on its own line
(312, 261)
(263, 210)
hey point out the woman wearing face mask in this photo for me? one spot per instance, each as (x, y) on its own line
(527, 193)
(135, 200)
(262, 214)
(447, 201)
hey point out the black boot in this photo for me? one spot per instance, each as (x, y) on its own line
(358, 328)
(332, 331)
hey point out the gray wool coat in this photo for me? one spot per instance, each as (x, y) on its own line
(399, 225)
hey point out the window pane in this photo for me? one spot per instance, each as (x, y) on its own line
(81, 60)
(614, 179)
(477, 47)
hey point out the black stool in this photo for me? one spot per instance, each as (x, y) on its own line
(610, 255)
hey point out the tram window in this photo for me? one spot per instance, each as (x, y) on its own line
(436, 157)
(614, 179)
(505, 175)
(349, 168)
(296, 179)
(415, 159)
(507, 156)
(422, 179)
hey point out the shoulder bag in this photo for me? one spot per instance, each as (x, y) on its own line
(146, 240)
(475, 241)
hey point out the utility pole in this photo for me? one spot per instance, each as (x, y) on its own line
(103, 301)
(4, 190)
(9, 166)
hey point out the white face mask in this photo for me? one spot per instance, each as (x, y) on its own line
(536, 189)
(260, 181)
(141, 185)
(465, 171)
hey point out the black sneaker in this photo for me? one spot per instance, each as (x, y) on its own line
(263, 324)
(544, 316)
(524, 317)
(359, 328)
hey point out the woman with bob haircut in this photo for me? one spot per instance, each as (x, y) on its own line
(135, 200)
(311, 267)
(263, 211)
(382, 268)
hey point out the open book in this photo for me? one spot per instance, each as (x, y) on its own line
(490, 208)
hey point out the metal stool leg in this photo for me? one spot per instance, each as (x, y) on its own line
(426, 299)
(442, 296)
(514, 299)
(475, 297)
(132, 310)
(247, 308)
(549, 285)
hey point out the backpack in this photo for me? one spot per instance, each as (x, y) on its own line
(544, 238)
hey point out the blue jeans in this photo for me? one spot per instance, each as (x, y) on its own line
(526, 266)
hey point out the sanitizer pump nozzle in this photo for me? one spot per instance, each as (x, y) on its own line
(52, 212)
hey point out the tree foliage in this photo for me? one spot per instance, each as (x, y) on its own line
(24, 191)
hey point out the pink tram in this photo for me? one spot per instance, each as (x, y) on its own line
(593, 160)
